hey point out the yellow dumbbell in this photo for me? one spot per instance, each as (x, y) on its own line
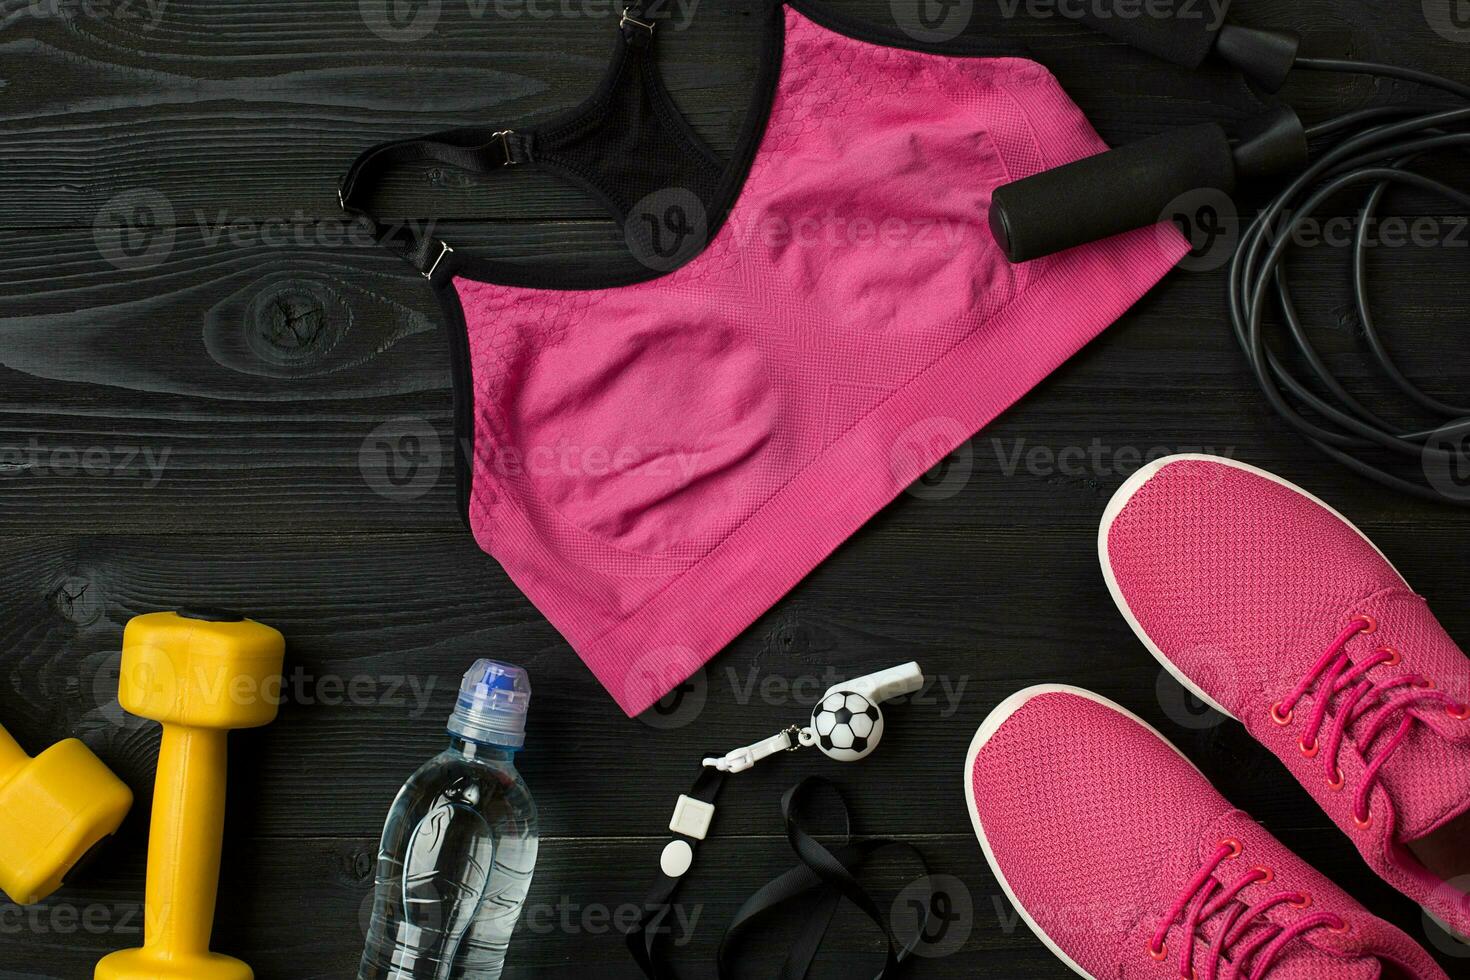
(201, 674)
(55, 810)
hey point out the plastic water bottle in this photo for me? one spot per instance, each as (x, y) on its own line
(460, 844)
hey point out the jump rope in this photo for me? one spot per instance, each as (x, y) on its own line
(1371, 149)
(1122, 190)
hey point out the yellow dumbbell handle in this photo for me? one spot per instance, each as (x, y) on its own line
(185, 841)
(12, 757)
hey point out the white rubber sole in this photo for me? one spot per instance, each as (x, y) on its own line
(1120, 500)
(988, 728)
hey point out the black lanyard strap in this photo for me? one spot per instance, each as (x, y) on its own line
(820, 882)
(644, 939)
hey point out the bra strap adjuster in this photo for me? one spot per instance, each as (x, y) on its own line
(628, 18)
(444, 250)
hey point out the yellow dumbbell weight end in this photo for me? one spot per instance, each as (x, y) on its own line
(55, 810)
(201, 674)
(155, 964)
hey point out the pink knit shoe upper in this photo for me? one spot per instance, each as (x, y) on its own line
(1274, 608)
(1128, 864)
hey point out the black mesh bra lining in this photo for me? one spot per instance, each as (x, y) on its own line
(631, 141)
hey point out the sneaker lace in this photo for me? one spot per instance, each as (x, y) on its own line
(1338, 680)
(1206, 898)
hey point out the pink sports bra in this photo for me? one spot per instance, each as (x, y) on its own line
(658, 453)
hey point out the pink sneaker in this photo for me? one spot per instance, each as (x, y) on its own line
(1128, 865)
(1271, 607)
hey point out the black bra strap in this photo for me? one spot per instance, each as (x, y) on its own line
(481, 151)
(478, 150)
(820, 882)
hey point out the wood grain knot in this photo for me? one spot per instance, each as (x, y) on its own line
(362, 865)
(792, 638)
(77, 600)
(289, 322)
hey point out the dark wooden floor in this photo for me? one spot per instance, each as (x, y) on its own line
(198, 419)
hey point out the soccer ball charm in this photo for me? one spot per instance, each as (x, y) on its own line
(848, 726)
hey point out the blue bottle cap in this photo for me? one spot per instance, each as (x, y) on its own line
(493, 701)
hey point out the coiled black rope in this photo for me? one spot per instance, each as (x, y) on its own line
(1374, 148)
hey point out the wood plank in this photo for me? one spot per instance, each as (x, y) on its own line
(381, 628)
(200, 413)
(243, 382)
(582, 890)
(156, 101)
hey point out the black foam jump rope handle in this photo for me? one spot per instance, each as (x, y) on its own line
(1187, 32)
(1135, 185)
(1113, 192)
(1181, 32)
